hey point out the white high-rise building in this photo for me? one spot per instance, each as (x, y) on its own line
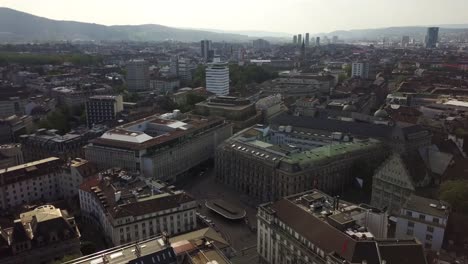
(360, 69)
(217, 77)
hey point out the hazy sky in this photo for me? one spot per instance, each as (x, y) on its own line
(288, 16)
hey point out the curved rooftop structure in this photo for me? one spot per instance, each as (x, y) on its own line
(381, 113)
(225, 209)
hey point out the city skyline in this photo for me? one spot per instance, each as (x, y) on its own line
(297, 16)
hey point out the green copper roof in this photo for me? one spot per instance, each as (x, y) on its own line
(325, 152)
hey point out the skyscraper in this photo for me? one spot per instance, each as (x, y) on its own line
(432, 37)
(205, 47)
(217, 77)
(405, 40)
(317, 41)
(294, 39)
(137, 75)
(360, 69)
(307, 39)
(299, 39)
(335, 39)
(303, 51)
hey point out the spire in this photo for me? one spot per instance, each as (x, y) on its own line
(303, 51)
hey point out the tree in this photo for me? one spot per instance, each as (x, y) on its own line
(455, 193)
(88, 247)
(199, 77)
(348, 69)
(342, 77)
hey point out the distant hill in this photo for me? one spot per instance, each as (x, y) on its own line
(394, 32)
(16, 26)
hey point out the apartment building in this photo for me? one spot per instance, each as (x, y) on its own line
(33, 181)
(425, 219)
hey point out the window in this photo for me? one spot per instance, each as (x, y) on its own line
(428, 245)
(430, 229)
(408, 213)
(409, 232)
(429, 237)
(410, 224)
(422, 217)
(435, 220)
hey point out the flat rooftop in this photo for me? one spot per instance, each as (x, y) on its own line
(331, 225)
(427, 206)
(128, 194)
(154, 130)
(155, 248)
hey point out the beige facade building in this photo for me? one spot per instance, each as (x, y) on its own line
(162, 147)
(254, 165)
(42, 235)
(129, 208)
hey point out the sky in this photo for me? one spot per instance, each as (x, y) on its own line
(289, 16)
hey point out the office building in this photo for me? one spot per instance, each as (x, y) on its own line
(295, 84)
(129, 208)
(240, 112)
(335, 39)
(205, 50)
(312, 227)
(11, 155)
(260, 44)
(42, 235)
(317, 41)
(184, 69)
(48, 143)
(405, 41)
(103, 108)
(217, 77)
(137, 76)
(299, 39)
(295, 39)
(162, 147)
(12, 101)
(12, 127)
(264, 167)
(165, 86)
(425, 219)
(71, 96)
(432, 37)
(360, 69)
(307, 39)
